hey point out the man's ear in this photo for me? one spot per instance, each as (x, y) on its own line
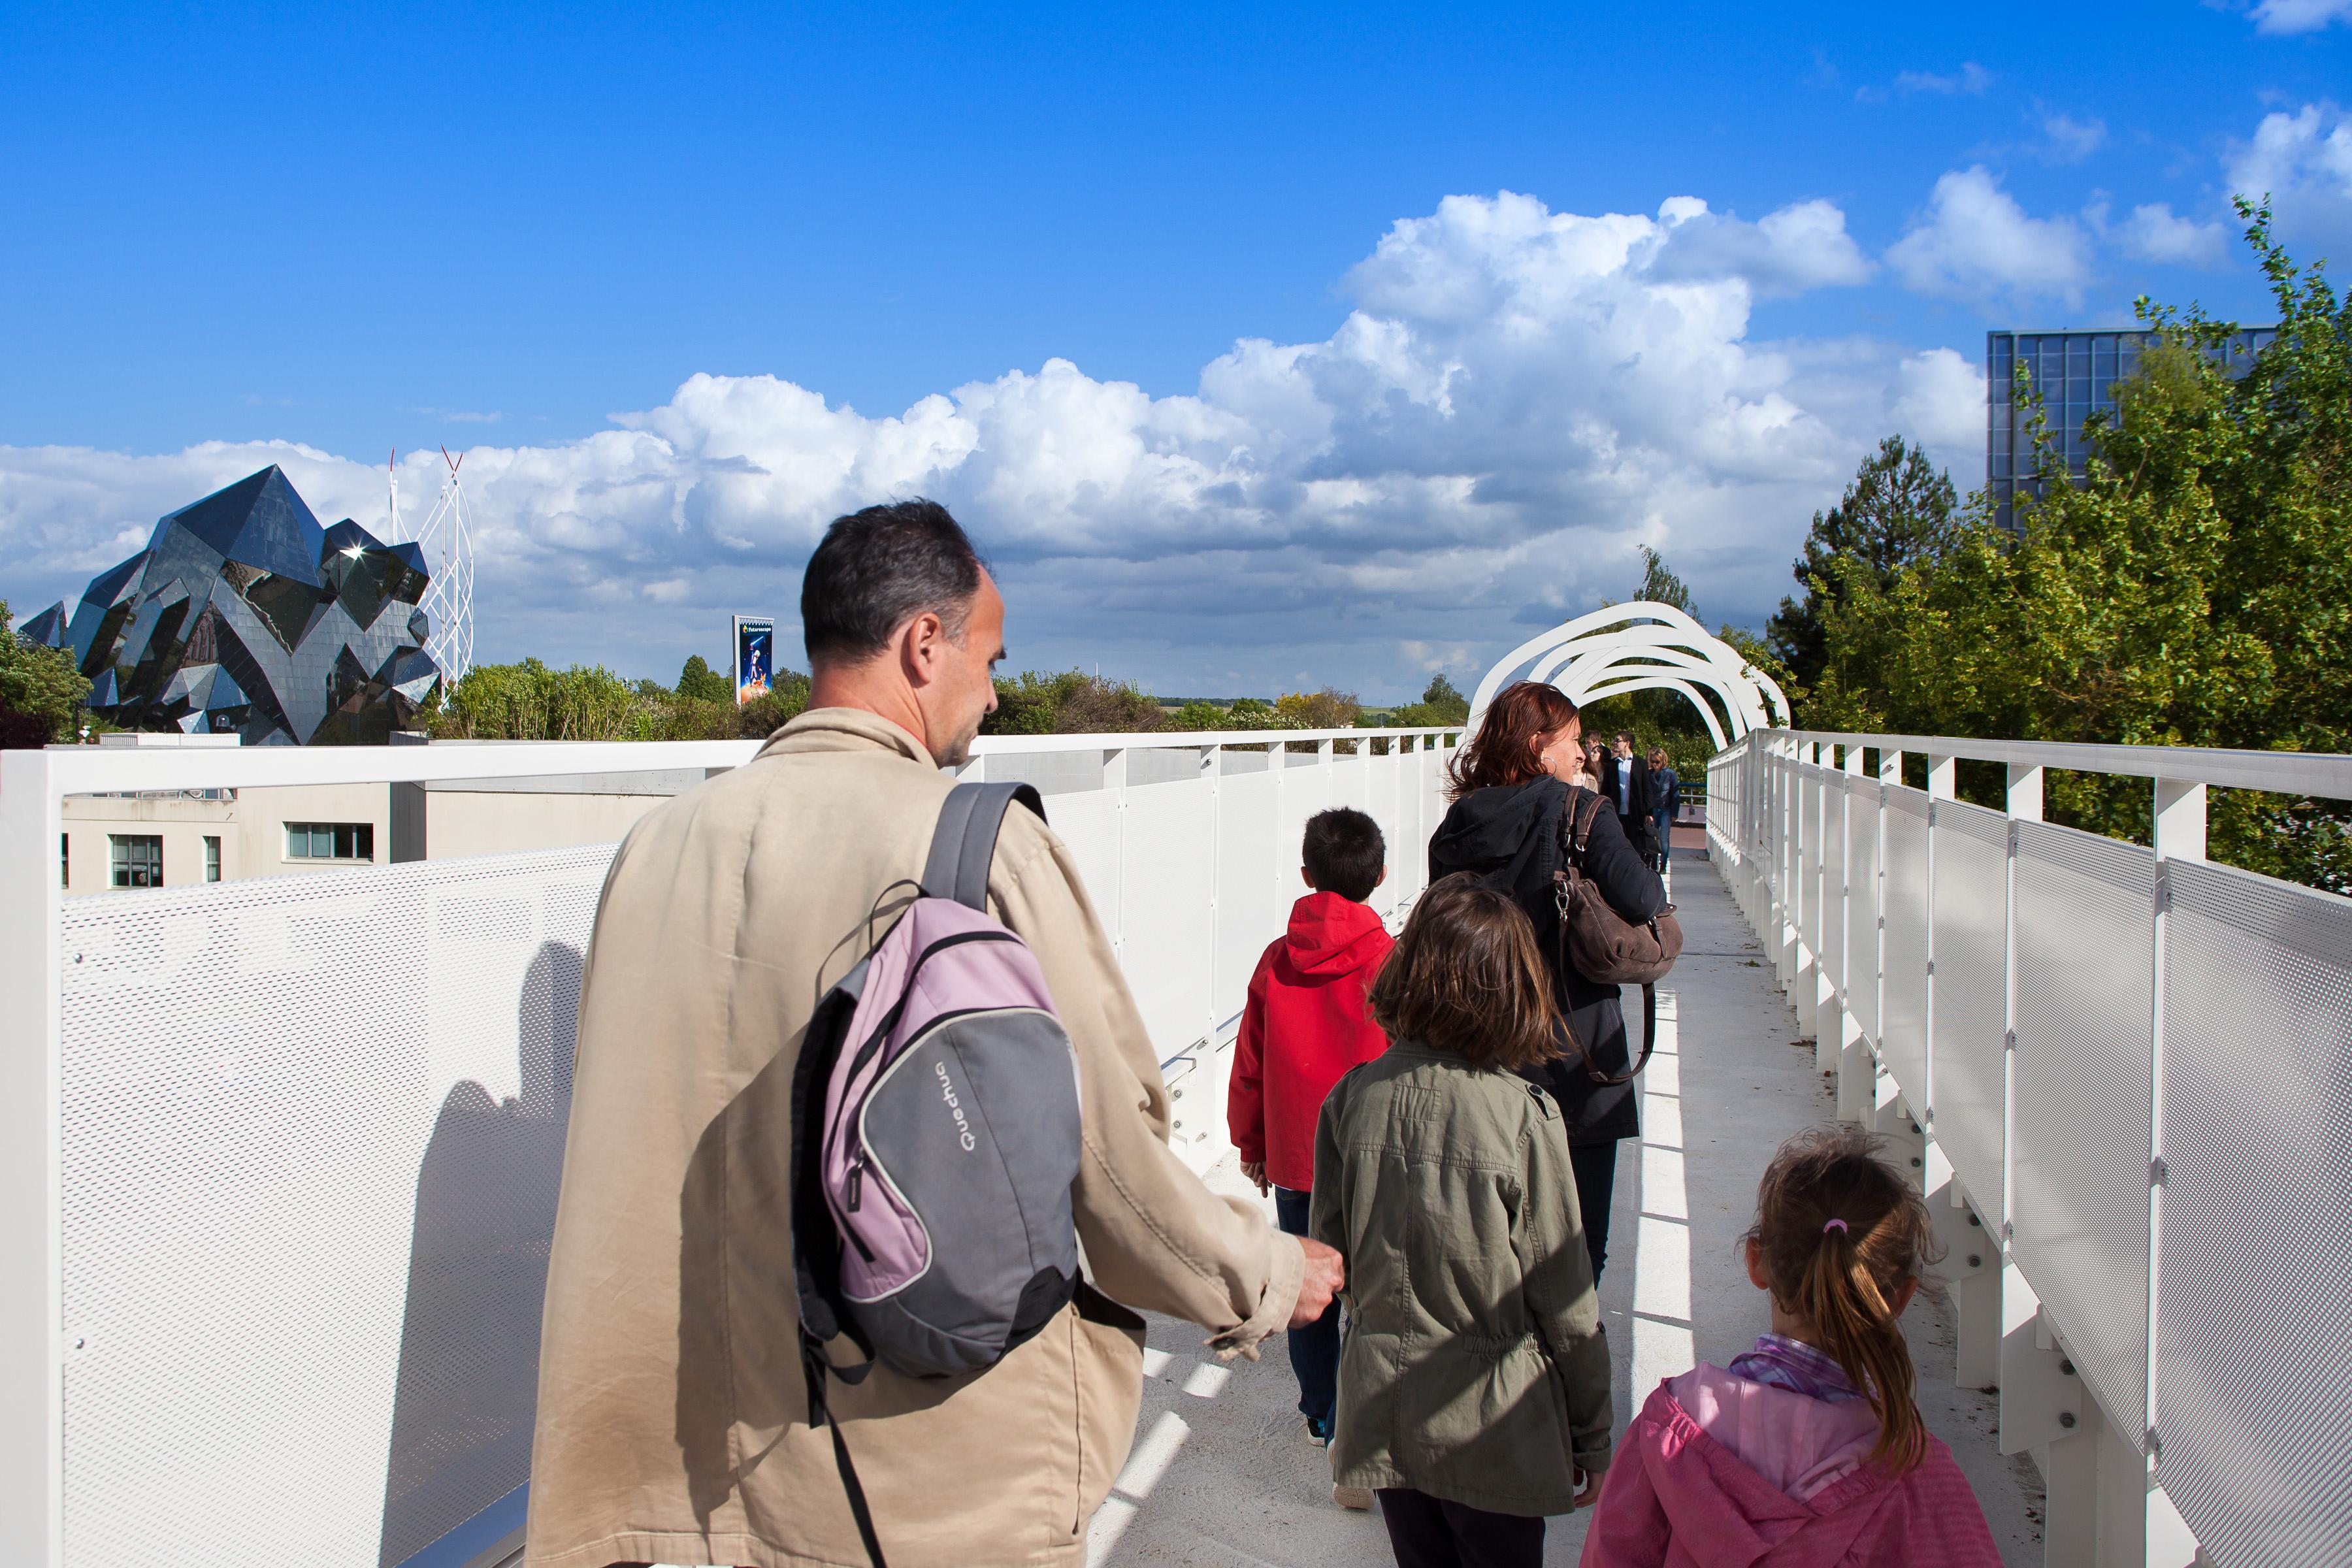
(1382, 878)
(920, 648)
(1306, 876)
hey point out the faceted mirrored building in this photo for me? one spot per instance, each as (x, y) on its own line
(244, 615)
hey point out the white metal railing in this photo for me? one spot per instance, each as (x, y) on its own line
(2124, 1075)
(278, 1157)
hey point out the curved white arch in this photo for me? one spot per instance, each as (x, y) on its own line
(1643, 646)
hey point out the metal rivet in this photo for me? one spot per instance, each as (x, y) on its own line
(1972, 1218)
(2066, 1419)
(1974, 1261)
(2066, 1367)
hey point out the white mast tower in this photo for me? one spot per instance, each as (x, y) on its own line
(448, 538)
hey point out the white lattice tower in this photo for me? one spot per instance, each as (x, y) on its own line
(447, 539)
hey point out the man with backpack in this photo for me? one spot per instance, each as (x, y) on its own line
(681, 1418)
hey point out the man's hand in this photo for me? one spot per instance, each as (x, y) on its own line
(1325, 1276)
(1255, 1170)
(1588, 1484)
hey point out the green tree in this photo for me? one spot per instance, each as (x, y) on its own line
(699, 681)
(40, 691)
(2194, 589)
(1900, 509)
(1199, 714)
(1440, 704)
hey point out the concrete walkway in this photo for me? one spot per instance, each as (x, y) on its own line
(1222, 1471)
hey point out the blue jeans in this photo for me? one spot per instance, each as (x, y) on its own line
(1315, 1349)
(1665, 820)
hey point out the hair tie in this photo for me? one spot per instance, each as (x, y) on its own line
(1835, 1224)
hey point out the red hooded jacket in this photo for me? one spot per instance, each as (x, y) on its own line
(1304, 1025)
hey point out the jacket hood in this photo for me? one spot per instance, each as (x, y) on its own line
(1486, 828)
(1332, 935)
(1728, 1505)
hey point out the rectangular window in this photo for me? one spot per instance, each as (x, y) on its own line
(212, 858)
(65, 860)
(138, 859)
(330, 841)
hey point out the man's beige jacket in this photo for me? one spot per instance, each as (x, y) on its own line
(673, 1424)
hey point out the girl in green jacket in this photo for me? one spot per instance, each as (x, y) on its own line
(1474, 1383)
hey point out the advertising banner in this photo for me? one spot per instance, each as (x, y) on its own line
(755, 656)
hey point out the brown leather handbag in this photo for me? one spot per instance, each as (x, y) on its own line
(1604, 946)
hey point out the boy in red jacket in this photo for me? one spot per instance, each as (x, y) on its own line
(1304, 1025)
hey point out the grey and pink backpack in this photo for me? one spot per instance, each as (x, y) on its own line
(935, 1127)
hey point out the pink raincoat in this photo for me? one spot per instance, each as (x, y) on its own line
(1720, 1472)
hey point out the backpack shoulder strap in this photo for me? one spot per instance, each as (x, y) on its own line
(964, 843)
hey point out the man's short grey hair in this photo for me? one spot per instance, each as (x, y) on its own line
(877, 569)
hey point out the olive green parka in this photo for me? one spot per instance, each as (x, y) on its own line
(1476, 1368)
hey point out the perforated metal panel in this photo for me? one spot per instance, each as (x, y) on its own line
(1902, 988)
(1166, 889)
(1250, 901)
(313, 1133)
(2078, 1158)
(1861, 902)
(2253, 1384)
(1969, 992)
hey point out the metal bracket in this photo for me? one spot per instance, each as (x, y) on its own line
(2009, 1040)
(2041, 1399)
(2157, 1171)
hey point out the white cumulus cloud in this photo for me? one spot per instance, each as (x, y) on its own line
(1518, 399)
(2303, 162)
(1798, 247)
(1974, 243)
(2300, 16)
(2153, 232)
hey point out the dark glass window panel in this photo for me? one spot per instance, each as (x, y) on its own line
(65, 860)
(212, 858)
(138, 859)
(2078, 390)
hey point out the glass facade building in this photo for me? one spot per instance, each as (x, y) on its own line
(2076, 374)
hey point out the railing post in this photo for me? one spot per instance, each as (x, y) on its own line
(1857, 1065)
(32, 1018)
(2025, 792)
(2179, 820)
(1115, 782)
(1943, 777)
(1212, 770)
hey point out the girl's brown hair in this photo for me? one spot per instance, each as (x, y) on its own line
(1841, 1235)
(1504, 750)
(1466, 977)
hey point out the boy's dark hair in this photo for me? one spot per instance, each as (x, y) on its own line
(1344, 853)
(877, 568)
(1467, 977)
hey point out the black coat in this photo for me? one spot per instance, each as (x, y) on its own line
(1643, 794)
(1514, 829)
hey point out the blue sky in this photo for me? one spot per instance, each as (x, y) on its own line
(500, 229)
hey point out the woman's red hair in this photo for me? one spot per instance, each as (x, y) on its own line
(1504, 750)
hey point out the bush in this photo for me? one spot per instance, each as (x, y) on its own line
(1071, 704)
(701, 683)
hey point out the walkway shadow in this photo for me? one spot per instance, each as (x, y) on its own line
(468, 1380)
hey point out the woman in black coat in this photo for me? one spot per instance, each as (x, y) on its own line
(1510, 787)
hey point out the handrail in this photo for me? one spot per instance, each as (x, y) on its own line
(2323, 773)
(90, 770)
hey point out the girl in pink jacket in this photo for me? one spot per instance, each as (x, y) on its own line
(1807, 1452)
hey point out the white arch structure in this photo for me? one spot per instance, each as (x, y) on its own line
(1643, 646)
